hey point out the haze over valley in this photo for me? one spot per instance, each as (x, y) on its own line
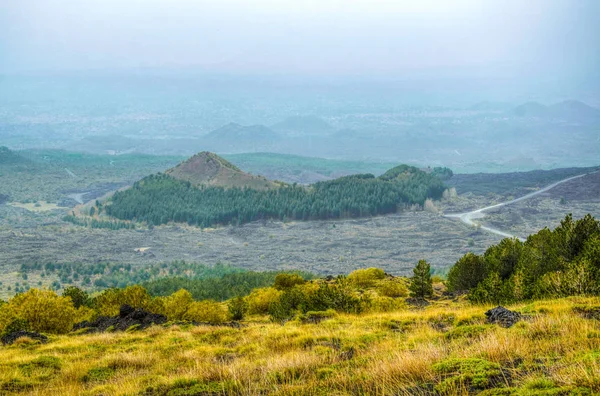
(317, 197)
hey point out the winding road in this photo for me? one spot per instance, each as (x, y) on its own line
(468, 217)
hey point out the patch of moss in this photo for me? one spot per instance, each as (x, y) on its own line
(49, 364)
(466, 332)
(469, 374)
(99, 374)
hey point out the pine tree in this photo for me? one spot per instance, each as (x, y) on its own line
(420, 284)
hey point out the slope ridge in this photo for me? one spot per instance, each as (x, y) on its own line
(209, 169)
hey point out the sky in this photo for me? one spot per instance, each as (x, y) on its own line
(551, 39)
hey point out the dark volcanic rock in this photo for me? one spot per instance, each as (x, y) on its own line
(128, 316)
(12, 337)
(502, 316)
(126, 310)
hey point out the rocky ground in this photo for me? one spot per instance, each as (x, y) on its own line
(578, 197)
(394, 243)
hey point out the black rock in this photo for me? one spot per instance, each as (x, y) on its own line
(126, 310)
(12, 337)
(128, 317)
(502, 316)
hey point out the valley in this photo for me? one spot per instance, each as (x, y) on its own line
(35, 232)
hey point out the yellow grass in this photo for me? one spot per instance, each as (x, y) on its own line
(394, 353)
(41, 206)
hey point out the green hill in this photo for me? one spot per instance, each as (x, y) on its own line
(206, 190)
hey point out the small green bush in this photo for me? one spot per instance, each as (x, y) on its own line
(99, 374)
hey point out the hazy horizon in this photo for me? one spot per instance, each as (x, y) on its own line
(546, 41)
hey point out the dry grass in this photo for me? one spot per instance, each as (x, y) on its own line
(444, 349)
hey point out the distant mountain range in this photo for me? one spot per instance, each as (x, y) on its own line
(569, 110)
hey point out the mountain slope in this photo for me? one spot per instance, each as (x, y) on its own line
(208, 169)
(302, 125)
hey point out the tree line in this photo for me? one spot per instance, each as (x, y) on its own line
(159, 199)
(551, 263)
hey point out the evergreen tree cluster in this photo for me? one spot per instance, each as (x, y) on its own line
(159, 199)
(95, 223)
(557, 263)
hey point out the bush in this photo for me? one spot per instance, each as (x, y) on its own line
(175, 306)
(79, 297)
(206, 311)
(109, 301)
(466, 273)
(393, 288)
(287, 281)
(260, 299)
(366, 277)
(290, 302)
(43, 310)
(238, 307)
(337, 296)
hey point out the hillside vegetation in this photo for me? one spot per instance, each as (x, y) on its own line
(355, 334)
(159, 199)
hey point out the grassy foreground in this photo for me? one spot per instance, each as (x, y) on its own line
(446, 348)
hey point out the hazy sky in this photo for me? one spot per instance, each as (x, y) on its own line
(320, 37)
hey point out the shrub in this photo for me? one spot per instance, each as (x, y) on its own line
(13, 324)
(206, 311)
(260, 299)
(366, 277)
(177, 304)
(290, 302)
(110, 300)
(466, 274)
(393, 288)
(44, 311)
(79, 297)
(287, 281)
(336, 296)
(238, 307)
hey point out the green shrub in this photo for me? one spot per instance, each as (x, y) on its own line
(43, 311)
(260, 300)
(366, 277)
(79, 297)
(206, 311)
(392, 288)
(177, 304)
(287, 281)
(238, 307)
